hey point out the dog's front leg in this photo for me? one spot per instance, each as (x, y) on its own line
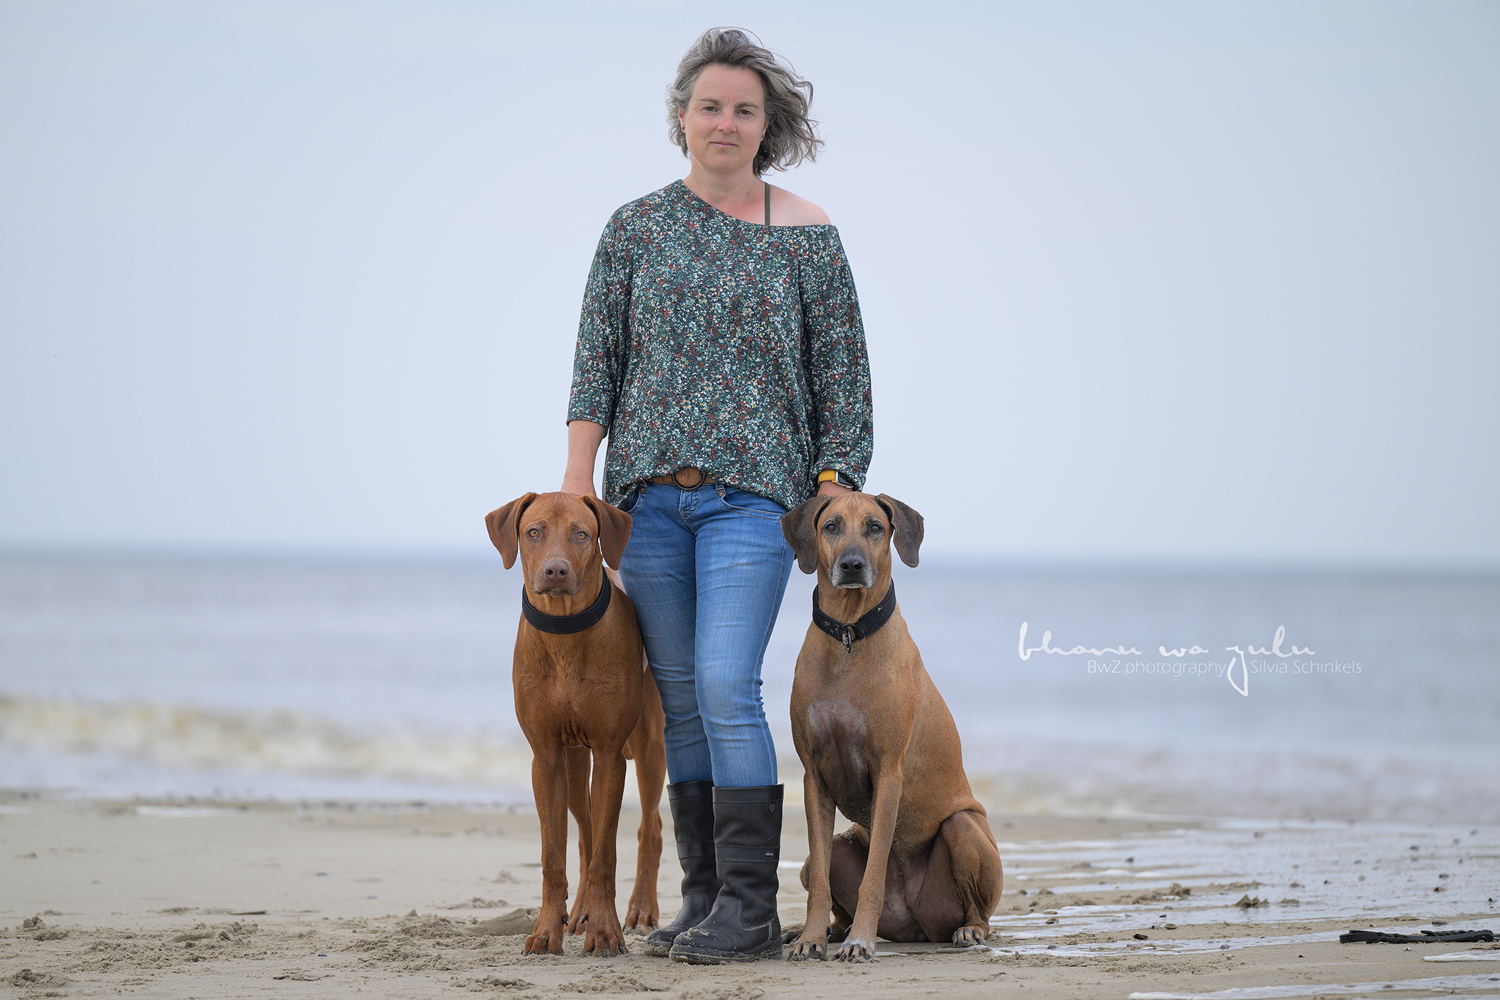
(859, 946)
(549, 786)
(813, 941)
(578, 805)
(601, 924)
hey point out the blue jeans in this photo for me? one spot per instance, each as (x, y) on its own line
(706, 569)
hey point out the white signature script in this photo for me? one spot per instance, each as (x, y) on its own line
(1241, 660)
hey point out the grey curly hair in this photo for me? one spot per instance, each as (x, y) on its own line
(791, 136)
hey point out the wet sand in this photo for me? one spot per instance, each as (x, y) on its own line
(221, 900)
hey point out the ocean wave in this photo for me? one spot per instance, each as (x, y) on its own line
(189, 736)
(286, 749)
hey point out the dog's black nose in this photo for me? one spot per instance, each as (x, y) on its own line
(851, 564)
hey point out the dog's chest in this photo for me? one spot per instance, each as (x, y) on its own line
(837, 748)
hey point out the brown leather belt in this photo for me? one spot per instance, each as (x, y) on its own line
(685, 478)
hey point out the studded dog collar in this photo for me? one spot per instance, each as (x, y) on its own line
(869, 623)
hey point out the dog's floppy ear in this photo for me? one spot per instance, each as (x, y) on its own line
(907, 526)
(614, 529)
(800, 526)
(504, 525)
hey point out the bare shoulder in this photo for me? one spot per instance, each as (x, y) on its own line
(788, 209)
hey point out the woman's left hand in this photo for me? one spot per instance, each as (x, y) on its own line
(832, 489)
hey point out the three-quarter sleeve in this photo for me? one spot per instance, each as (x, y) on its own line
(838, 365)
(603, 349)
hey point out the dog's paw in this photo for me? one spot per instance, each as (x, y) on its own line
(577, 918)
(544, 941)
(966, 937)
(603, 943)
(642, 917)
(856, 950)
(790, 934)
(804, 950)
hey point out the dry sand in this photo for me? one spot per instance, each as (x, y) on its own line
(275, 900)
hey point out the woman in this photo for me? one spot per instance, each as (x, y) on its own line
(721, 350)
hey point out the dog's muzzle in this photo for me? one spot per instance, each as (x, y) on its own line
(852, 570)
(556, 579)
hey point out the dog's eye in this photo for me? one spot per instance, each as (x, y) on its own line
(874, 528)
(831, 527)
(582, 536)
(534, 533)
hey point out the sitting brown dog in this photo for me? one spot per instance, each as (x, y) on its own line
(877, 741)
(582, 690)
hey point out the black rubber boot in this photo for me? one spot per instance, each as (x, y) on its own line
(743, 925)
(692, 805)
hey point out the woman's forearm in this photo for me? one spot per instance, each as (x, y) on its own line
(584, 438)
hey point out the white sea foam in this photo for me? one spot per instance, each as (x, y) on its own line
(185, 736)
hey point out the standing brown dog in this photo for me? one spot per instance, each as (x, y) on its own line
(877, 741)
(582, 690)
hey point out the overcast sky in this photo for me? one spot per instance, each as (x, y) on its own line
(1212, 282)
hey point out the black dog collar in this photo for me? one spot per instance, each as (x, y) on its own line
(567, 624)
(869, 623)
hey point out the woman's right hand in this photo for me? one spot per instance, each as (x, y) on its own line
(583, 485)
(584, 438)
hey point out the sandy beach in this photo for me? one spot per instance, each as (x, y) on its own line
(208, 899)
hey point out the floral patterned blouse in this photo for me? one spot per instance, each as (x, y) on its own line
(720, 344)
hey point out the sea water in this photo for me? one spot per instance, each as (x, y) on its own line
(1291, 695)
